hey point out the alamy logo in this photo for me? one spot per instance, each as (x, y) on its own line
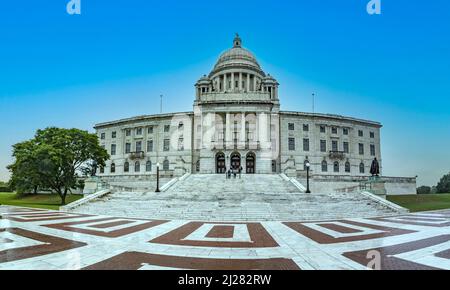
(374, 7)
(74, 7)
(374, 260)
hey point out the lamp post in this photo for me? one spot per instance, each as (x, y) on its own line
(157, 178)
(307, 177)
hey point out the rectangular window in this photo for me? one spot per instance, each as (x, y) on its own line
(113, 134)
(346, 148)
(139, 131)
(166, 128)
(305, 127)
(138, 146)
(305, 144)
(361, 149)
(128, 132)
(334, 145)
(372, 135)
(166, 145)
(150, 146)
(360, 133)
(127, 148)
(180, 144)
(322, 129)
(150, 130)
(372, 150)
(291, 144)
(291, 126)
(102, 136)
(345, 131)
(113, 149)
(323, 146)
(333, 130)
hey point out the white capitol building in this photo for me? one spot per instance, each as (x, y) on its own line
(237, 122)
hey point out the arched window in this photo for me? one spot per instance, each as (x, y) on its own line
(148, 166)
(166, 165)
(361, 168)
(324, 166)
(126, 167)
(304, 164)
(113, 168)
(347, 167)
(336, 166)
(137, 166)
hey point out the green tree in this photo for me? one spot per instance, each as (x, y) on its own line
(54, 158)
(444, 184)
(424, 190)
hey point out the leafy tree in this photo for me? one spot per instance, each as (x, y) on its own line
(54, 158)
(444, 184)
(424, 190)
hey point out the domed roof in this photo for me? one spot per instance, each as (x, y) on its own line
(237, 56)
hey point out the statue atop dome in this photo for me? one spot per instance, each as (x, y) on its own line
(237, 42)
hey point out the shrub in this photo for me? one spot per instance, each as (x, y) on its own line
(424, 190)
(444, 184)
(5, 189)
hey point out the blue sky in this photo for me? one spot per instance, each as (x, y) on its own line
(117, 57)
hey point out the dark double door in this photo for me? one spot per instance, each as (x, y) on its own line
(220, 163)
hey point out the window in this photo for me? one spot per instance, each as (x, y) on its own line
(166, 128)
(324, 166)
(128, 132)
(334, 145)
(323, 146)
(322, 129)
(150, 146)
(166, 165)
(291, 144)
(305, 127)
(166, 145)
(291, 126)
(333, 130)
(360, 133)
(137, 166)
(138, 146)
(197, 166)
(336, 166)
(113, 149)
(180, 144)
(347, 167)
(102, 136)
(372, 135)
(148, 166)
(361, 168)
(113, 134)
(127, 148)
(113, 168)
(346, 148)
(180, 125)
(361, 149)
(139, 131)
(126, 167)
(372, 150)
(150, 130)
(305, 144)
(102, 169)
(345, 131)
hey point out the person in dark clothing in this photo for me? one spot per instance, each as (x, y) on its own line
(240, 172)
(375, 168)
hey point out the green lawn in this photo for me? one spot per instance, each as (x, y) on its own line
(422, 202)
(36, 201)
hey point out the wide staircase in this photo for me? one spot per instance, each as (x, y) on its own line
(249, 198)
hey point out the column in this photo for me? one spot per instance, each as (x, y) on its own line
(248, 82)
(257, 128)
(225, 82)
(254, 83)
(232, 82)
(240, 82)
(243, 139)
(228, 134)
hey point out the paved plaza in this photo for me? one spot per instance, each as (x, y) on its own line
(41, 239)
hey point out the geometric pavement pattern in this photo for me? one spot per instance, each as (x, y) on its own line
(44, 239)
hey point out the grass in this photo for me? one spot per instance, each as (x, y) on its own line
(422, 202)
(36, 201)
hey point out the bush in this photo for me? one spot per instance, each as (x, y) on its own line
(5, 189)
(424, 190)
(444, 184)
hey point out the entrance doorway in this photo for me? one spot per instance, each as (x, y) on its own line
(250, 163)
(235, 160)
(220, 163)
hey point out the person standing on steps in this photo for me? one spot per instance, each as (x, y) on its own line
(240, 172)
